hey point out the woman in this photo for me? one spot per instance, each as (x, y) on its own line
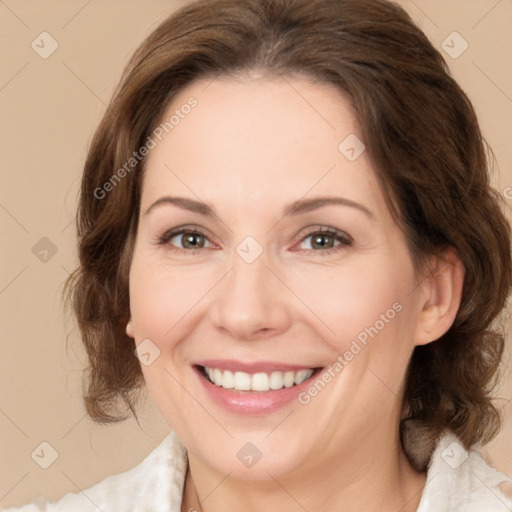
(286, 212)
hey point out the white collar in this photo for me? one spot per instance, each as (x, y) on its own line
(461, 481)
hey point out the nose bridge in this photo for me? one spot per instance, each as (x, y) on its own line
(250, 303)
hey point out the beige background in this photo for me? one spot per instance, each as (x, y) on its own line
(49, 110)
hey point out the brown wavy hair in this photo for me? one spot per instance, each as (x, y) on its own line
(424, 141)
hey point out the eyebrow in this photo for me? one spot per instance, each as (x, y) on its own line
(295, 208)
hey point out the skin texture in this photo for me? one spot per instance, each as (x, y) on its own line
(252, 146)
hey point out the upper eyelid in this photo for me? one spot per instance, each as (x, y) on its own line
(343, 237)
(171, 233)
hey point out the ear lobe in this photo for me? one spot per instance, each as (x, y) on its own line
(129, 329)
(440, 297)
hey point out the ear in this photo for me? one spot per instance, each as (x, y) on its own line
(129, 328)
(440, 297)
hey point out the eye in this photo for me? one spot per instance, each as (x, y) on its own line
(189, 240)
(185, 239)
(325, 240)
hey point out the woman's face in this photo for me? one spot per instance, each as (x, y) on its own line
(274, 252)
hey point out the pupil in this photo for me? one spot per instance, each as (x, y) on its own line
(319, 241)
(191, 240)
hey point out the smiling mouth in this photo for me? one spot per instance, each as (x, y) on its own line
(259, 382)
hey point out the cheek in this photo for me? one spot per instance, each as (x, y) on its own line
(161, 297)
(357, 301)
(162, 301)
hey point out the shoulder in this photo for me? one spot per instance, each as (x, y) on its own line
(461, 481)
(155, 484)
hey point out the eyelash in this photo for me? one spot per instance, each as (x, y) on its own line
(344, 239)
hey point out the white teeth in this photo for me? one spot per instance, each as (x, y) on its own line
(301, 376)
(242, 381)
(260, 382)
(289, 379)
(228, 380)
(276, 380)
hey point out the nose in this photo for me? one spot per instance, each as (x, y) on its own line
(251, 303)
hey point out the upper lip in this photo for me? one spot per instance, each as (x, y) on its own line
(253, 367)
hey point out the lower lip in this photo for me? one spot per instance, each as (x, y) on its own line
(252, 402)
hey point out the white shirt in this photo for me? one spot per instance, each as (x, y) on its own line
(457, 481)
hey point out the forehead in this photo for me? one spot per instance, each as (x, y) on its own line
(252, 139)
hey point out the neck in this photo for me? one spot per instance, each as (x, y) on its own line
(384, 482)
